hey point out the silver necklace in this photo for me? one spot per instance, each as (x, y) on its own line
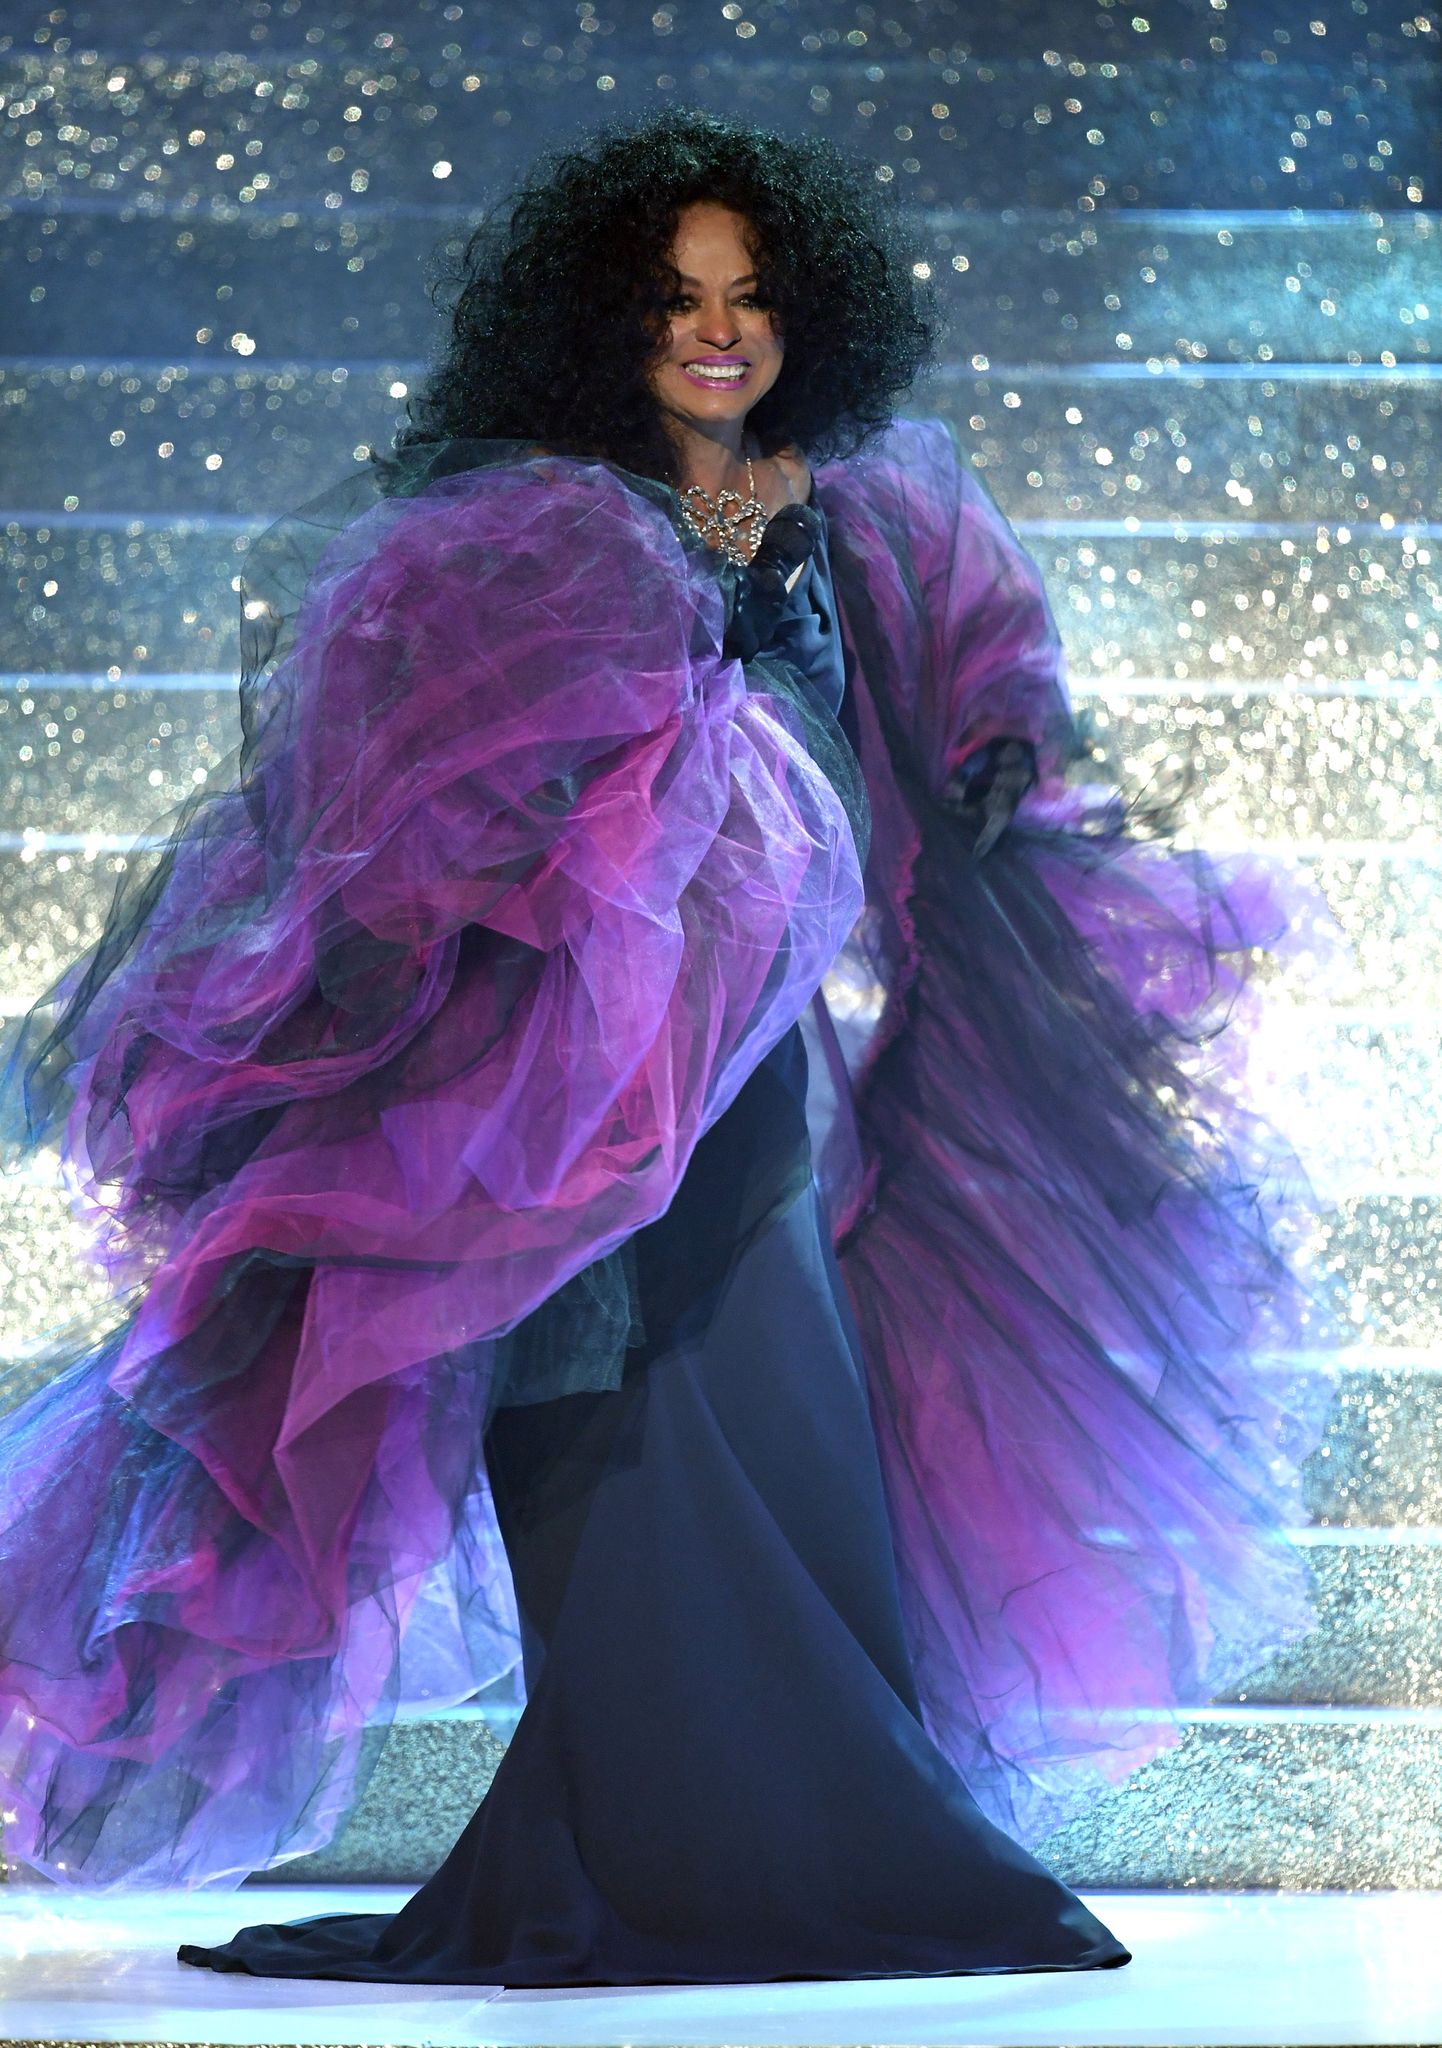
(728, 521)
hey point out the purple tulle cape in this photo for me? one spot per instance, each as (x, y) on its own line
(422, 1009)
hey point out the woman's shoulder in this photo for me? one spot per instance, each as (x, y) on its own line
(904, 441)
(910, 470)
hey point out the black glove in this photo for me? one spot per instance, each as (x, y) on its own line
(788, 540)
(988, 786)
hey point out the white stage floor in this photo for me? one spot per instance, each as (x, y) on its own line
(1221, 1969)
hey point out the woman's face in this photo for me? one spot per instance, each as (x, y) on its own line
(719, 353)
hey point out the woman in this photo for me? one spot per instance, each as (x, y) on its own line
(851, 1385)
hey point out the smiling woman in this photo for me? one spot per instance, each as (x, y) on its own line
(653, 1132)
(737, 243)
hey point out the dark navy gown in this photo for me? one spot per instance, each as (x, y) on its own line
(721, 1773)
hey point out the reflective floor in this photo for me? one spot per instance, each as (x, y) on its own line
(1232, 1970)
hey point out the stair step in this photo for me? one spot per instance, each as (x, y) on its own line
(1340, 770)
(1218, 132)
(1379, 1461)
(1358, 1097)
(1376, 1263)
(1304, 1798)
(142, 591)
(1176, 446)
(1378, 1635)
(1169, 446)
(55, 888)
(1035, 286)
(1318, 1800)
(1377, 1642)
(931, 32)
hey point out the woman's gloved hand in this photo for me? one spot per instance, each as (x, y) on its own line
(787, 543)
(987, 787)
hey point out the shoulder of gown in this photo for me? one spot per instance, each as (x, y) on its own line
(947, 611)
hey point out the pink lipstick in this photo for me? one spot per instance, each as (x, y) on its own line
(720, 373)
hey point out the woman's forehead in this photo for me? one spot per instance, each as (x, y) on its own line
(709, 233)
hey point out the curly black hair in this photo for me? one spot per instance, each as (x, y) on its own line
(561, 294)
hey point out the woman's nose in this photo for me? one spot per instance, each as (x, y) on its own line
(717, 325)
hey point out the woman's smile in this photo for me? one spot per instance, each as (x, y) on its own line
(729, 373)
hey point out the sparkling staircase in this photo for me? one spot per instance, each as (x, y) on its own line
(1193, 267)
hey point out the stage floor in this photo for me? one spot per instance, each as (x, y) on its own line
(1230, 1970)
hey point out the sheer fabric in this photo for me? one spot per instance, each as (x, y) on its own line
(417, 1022)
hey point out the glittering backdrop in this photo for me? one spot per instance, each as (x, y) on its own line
(1190, 258)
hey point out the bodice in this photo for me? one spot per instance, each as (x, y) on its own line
(806, 634)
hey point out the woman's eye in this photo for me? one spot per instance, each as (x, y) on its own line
(684, 302)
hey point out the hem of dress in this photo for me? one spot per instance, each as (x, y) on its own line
(200, 1958)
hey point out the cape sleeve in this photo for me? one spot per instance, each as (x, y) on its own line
(520, 878)
(971, 648)
(1079, 1253)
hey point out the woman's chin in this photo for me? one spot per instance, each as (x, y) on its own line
(691, 401)
(707, 408)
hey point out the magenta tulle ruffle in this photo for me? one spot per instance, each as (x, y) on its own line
(518, 880)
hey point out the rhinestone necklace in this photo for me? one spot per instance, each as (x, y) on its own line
(728, 521)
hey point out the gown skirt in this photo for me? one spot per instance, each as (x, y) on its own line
(721, 1772)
